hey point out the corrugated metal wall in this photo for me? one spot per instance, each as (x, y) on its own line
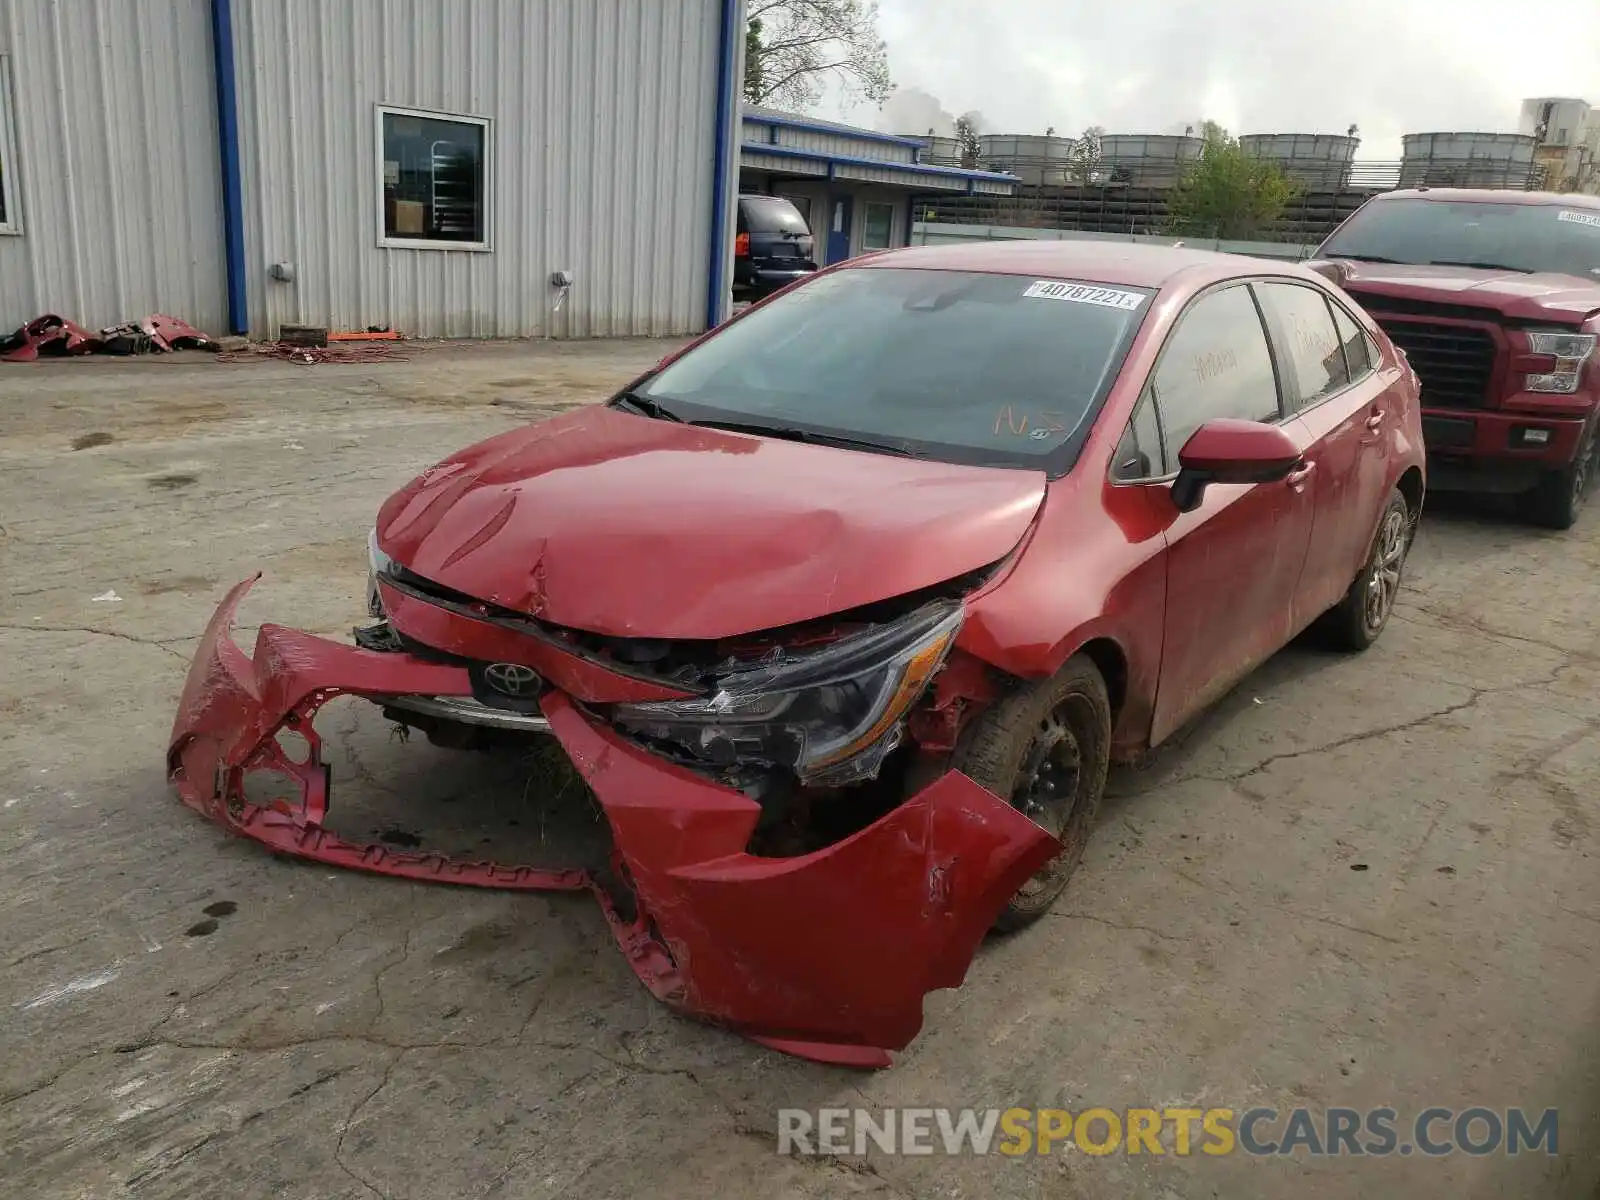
(115, 117)
(601, 161)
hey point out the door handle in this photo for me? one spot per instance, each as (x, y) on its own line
(1375, 422)
(1300, 474)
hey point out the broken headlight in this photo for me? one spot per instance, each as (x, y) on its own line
(831, 715)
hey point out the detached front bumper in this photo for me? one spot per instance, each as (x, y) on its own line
(827, 955)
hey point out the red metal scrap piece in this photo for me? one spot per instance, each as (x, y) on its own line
(169, 333)
(48, 334)
(826, 956)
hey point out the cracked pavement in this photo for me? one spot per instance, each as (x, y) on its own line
(1358, 881)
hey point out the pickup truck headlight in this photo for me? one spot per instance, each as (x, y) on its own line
(377, 563)
(832, 715)
(1570, 350)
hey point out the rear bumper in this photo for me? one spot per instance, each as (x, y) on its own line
(769, 279)
(827, 955)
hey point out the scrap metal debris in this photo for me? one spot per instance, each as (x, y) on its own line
(55, 336)
(50, 335)
(154, 333)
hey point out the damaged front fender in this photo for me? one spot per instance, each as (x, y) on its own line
(827, 955)
(838, 946)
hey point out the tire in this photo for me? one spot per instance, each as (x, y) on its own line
(1045, 749)
(1558, 499)
(1357, 621)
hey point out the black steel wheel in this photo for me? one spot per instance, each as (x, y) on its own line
(1046, 748)
(1559, 498)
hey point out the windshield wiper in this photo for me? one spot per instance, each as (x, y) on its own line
(789, 433)
(643, 405)
(1376, 258)
(1482, 266)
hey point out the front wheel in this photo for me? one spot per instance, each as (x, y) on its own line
(1559, 498)
(1357, 620)
(1046, 749)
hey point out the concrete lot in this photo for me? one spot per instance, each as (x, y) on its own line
(1359, 882)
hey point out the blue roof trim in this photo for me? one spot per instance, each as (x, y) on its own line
(864, 135)
(849, 160)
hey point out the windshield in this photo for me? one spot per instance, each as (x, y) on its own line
(1514, 237)
(967, 367)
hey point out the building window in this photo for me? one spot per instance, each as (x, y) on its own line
(10, 216)
(434, 179)
(878, 228)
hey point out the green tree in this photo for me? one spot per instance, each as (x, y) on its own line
(967, 139)
(754, 75)
(794, 48)
(1083, 156)
(1226, 193)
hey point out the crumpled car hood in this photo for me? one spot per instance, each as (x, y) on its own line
(1567, 299)
(632, 527)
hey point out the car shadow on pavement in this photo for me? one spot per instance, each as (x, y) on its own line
(1298, 664)
(1470, 508)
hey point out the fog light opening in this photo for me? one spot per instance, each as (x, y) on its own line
(1531, 436)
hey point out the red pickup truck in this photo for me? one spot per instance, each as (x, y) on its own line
(1495, 298)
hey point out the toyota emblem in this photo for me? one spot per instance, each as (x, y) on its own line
(512, 679)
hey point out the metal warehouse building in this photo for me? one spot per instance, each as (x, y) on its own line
(439, 166)
(857, 189)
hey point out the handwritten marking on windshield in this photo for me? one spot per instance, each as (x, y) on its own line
(1037, 426)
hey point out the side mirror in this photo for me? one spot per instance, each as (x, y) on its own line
(1231, 451)
(1336, 271)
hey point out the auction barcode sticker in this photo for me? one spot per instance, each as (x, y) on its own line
(1081, 293)
(1579, 218)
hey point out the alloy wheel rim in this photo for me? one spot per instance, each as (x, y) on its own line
(1383, 584)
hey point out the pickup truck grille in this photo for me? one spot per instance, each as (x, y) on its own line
(1454, 362)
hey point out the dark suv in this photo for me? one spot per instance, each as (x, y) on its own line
(773, 246)
(1495, 298)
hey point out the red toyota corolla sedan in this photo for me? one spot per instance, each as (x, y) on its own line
(843, 612)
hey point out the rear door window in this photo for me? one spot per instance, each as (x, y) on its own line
(1355, 342)
(1216, 364)
(1308, 339)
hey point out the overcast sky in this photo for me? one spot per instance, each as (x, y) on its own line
(1258, 66)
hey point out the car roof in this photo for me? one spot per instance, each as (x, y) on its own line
(1131, 264)
(1490, 196)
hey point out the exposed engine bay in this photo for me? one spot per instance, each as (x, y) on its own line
(809, 721)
